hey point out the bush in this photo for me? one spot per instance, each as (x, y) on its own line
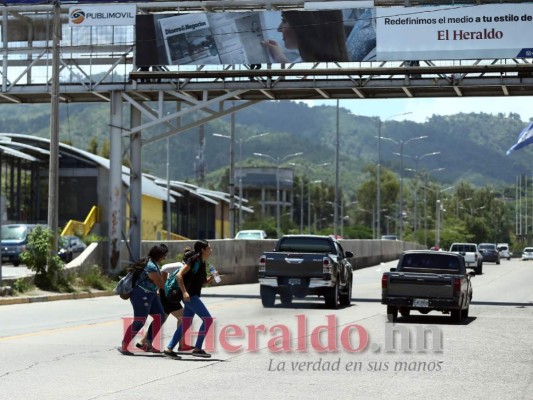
(92, 238)
(22, 285)
(93, 278)
(48, 267)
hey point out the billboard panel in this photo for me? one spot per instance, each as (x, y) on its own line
(368, 34)
(455, 32)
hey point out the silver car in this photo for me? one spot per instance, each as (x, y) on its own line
(527, 254)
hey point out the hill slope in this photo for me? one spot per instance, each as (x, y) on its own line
(472, 146)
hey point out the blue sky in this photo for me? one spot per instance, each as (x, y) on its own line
(421, 109)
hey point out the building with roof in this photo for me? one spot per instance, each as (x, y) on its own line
(84, 183)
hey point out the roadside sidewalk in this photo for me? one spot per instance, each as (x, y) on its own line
(50, 296)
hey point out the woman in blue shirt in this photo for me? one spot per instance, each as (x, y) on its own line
(145, 300)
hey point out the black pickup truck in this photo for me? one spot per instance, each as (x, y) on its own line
(304, 265)
(427, 280)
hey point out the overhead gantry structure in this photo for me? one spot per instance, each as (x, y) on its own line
(98, 65)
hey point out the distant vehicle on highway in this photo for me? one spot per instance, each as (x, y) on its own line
(473, 258)
(389, 237)
(70, 247)
(489, 252)
(14, 241)
(303, 265)
(251, 234)
(426, 280)
(503, 248)
(527, 254)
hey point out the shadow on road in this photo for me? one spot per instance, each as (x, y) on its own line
(433, 319)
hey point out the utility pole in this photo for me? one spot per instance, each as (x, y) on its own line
(336, 201)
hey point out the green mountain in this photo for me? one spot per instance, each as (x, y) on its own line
(472, 146)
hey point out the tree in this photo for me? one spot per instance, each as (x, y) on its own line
(92, 146)
(367, 192)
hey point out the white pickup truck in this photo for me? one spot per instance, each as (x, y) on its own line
(471, 254)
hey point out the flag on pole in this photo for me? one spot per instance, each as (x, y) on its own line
(525, 138)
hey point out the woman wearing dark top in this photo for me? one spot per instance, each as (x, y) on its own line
(145, 300)
(191, 278)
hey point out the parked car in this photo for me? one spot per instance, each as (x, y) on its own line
(14, 241)
(527, 254)
(503, 248)
(251, 234)
(489, 252)
(70, 247)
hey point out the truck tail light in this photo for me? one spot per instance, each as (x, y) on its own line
(456, 285)
(475, 257)
(384, 281)
(326, 265)
(262, 264)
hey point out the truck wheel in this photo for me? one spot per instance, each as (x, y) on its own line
(464, 313)
(268, 296)
(286, 298)
(392, 313)
(332, 296)
(16, 263)
(479, 270)
(456, 316)
(345, 297)
(405, 312)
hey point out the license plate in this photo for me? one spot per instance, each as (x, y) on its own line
(295, 281)
(421, 303)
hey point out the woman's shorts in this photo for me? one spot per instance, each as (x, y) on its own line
(168, 306)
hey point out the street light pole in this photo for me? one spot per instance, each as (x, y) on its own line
(426, 178)
(336, 201)
(417, 160)
(401, 143)
(232, 173)
(278, 161)
(378, 173)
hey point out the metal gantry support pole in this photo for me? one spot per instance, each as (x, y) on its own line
(5, 58)
(135, 216)
(232, 178)
(115, 182)
(53, 180)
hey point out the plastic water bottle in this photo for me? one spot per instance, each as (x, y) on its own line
(215, 274)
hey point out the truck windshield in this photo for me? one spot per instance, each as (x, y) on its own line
(467, 248)
(430, 261)
(17, 232)
(306, 245)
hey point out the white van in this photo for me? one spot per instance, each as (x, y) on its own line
(503, 248)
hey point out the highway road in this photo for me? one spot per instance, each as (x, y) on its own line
(67, 349)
